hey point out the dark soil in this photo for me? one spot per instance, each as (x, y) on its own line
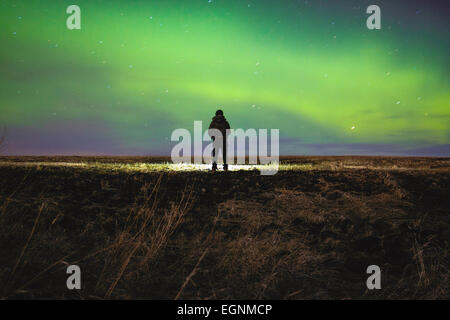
(300, 234)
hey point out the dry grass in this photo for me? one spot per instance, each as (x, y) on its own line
(132, 250)
(302, 234)
(142, 237)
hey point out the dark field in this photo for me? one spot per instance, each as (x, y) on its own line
(141, 229)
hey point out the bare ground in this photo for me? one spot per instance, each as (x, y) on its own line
(308, 232)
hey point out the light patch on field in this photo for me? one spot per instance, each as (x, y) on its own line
(206, 167)
(333, 165)
(140, 167)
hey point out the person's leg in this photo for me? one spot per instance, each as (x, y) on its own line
(215, 153)
(219, 151)
(224, 151)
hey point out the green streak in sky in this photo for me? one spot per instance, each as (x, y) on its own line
(145, 68)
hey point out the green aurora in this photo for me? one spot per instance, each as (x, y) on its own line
(137, 70)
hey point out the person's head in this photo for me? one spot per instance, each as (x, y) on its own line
(219, 113)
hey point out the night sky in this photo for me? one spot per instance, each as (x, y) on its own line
(137, 70)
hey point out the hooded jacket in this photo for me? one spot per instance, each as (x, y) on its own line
(219, 122)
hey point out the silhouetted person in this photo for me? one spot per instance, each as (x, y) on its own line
(220, 123)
